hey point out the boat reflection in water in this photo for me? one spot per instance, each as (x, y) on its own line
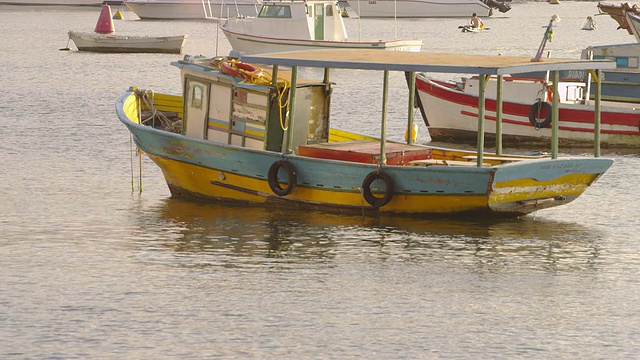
(199, 234)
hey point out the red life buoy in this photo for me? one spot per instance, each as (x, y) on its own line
(239, 69)
(227, 68)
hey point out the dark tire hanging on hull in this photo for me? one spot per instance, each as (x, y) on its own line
(373, 200)
(538, 108)
(272, 177)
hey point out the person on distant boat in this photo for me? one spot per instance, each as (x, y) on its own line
(476, 22)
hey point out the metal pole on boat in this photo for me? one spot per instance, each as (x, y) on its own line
(237, 9)
(274, 75)
(499, 115)
(204, 8)
(395, 18)
(325, 78)
(547, 37)
(383, 127)
(327, 91)
(292, 103)
(588, 80)
(597, 120)
(481, 90)
(555, 114)
(412, 98)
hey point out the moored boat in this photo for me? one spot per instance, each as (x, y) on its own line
(633, 19)
(619, 13)
(298, 25)
(451, 111)
(621, 84)
(425, 8)
(52, 2)
(110, 43)
(192, 9)
(265, 138)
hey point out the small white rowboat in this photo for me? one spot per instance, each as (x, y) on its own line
(127, 44)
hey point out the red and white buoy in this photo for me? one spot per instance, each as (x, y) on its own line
(105, 23)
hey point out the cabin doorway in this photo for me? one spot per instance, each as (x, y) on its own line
(318, 21)
(195, 108)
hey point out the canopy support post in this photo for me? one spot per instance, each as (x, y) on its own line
(291, 110)
(274, 76)
(383, 127)
(499, 90)
(597, 121)
(481, 93)
(412, 94)
(327, 103)
(555, 115)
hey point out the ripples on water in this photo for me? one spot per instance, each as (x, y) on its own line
(92, 269)
(195, 231)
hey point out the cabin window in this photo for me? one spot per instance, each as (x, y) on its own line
(329, 11)
(197, 93)
(275, 11)
(622, 62)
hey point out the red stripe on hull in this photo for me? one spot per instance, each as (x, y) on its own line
(566, 115)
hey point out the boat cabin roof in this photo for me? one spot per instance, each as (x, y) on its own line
(423, 61)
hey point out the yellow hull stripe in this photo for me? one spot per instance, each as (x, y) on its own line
(196, 179)
(525, 189)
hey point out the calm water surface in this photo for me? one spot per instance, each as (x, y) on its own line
(93, 268)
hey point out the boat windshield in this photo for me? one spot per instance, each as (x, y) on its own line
(275, 11)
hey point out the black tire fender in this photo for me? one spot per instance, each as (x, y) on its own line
(534, 114)
(272, 177)
(375, 201)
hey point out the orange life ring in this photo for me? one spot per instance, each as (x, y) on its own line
(227, 68)
(239, 69)
(550, 93)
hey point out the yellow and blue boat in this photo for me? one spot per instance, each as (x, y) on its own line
(239, 133)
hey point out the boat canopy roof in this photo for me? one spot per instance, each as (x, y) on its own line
(423, 61)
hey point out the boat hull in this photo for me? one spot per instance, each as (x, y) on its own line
(219, 172)
(419, 8)
(185, 10)
(623, 83)
(127, 44)
(250, 44)
(52, 2)
(452, 115)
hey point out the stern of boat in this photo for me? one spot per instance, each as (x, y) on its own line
(527, 186)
